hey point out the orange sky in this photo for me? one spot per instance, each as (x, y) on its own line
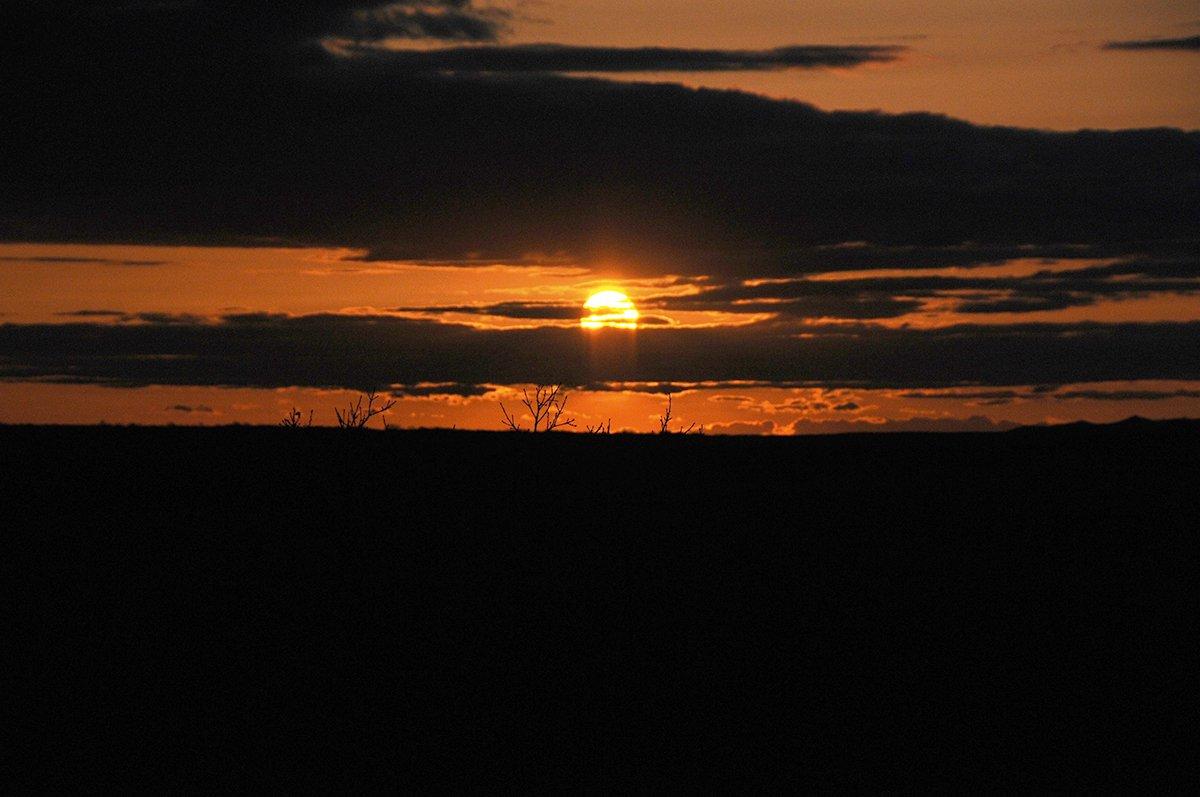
(1029, 63)
(210, 282)
(725, 410)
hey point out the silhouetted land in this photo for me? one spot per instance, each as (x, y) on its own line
(246, 607)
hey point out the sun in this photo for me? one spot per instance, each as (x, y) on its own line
(611, 309)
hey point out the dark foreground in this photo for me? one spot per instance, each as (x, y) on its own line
(245, 608)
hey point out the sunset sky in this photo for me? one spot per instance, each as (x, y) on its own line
(830, 215)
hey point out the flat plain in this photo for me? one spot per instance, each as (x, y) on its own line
(248, 607)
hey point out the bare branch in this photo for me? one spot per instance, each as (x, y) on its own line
(664, 422)
(356, 416)
(545, 407)
(295, 419)
(509, 420)
(554, 412)
(601, 428)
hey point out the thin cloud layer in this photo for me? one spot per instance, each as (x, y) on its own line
(364, 352)
(532, 58)
(1189, 43)
(1044, 392)
(1058, 285)
(895, 296)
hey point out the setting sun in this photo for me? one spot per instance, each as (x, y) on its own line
(611, 309)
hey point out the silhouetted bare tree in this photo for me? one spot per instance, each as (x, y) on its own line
(601, 428)
(295, 419)
(356, 416)
(664, 422)
(545, 407)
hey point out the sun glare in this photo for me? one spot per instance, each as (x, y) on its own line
(611, 309)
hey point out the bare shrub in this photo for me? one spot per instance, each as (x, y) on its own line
(545, 407)
(356, 416)
(600, 428)
(664, 422)
(296, 420)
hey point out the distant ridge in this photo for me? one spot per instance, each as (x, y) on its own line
(1130, 424)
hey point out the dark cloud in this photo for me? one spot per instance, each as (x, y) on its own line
(361, 352)
(94, 314)
(1049, 392)
(544, 311)
(859, 307)
(870, 304)
(273, 24)
(1057, 300)
(668, 388)
(533, 311)
(183, 127)
(126, 318)
(1180, 267)
(1126, 395)
(863, 256)
(986, 395)
(893, 296)
(439, 390)
(456, 20)
(164, 319)
(1144, 256)
(532, 58)
(1189, 43)
(199, 408)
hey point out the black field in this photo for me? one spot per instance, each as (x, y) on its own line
(246, 608)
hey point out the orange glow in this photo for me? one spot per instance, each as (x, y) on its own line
(720, 408)
(611, 309)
